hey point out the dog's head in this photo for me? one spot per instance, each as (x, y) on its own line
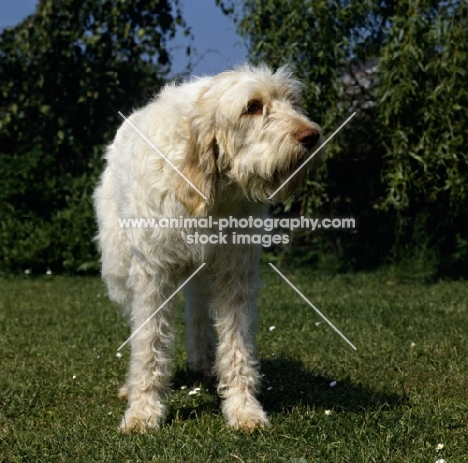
(247, 128)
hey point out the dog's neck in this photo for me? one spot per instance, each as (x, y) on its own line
(232, 201)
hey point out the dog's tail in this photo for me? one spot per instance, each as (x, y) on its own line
(112, 242)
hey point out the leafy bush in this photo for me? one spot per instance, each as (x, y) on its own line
(423, 116)
(66, 72)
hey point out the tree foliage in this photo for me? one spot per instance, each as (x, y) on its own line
(66, 71)
(423, 102)
(400, 166)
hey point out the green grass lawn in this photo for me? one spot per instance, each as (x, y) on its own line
(404, 391)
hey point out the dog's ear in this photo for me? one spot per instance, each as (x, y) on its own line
(199, 167)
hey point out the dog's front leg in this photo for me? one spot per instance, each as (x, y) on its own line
(235, 313)
(151, 348)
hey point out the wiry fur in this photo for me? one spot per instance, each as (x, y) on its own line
(237, 136)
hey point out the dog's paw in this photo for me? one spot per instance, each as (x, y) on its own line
(246, 416)
(250, 424)
(146, 412)
(138, 423)
(202, 362)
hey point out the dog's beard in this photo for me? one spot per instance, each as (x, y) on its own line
(260, 189)
(288, 178)
(268, 175)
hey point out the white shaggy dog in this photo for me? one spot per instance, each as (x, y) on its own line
(236, 136)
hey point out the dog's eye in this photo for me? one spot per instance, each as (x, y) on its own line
(255, 108)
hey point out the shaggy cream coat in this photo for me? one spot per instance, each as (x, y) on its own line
(236, 136)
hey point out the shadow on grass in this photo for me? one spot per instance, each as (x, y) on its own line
(206, 403)
(286, 384)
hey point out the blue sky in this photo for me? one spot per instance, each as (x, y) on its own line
(214, 33)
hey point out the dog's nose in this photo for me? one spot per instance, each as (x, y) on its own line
(308, 137)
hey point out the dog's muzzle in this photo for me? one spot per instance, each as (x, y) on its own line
(308, 137)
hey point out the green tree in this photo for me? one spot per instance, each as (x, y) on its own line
(423, 119)
(400, 166)
(66, 71)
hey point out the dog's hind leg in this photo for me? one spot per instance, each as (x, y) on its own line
(113, 242)
(201, 339)
(152, 341)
